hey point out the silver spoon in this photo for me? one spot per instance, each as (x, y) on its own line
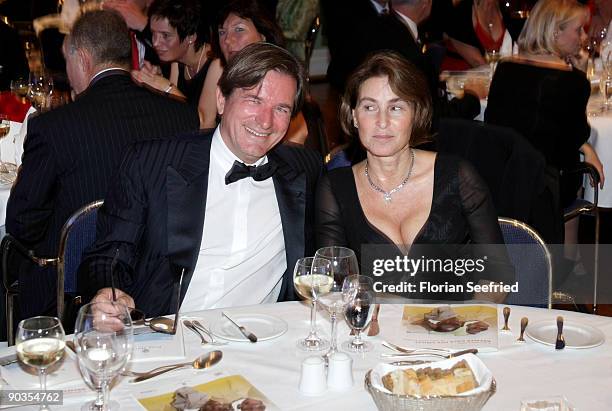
(158, 324)
(203, 361)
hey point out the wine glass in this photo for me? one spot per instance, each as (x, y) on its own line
(492, 56)
(40, 344)
(358, 290)
(41, 88)
(342, 263)
(311, 280)
(20, 87)
(104, 338)
(5, 128)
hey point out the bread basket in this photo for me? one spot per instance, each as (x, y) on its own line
(386, 401)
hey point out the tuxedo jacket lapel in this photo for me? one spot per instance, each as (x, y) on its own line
(186, 190)
(290, 188)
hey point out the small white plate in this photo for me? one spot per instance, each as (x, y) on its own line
(575, 335)
(265, 327)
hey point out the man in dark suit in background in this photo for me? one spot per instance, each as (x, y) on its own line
(190, 204)
(71, 152)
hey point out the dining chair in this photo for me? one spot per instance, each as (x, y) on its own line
(309, 43)
(581, 206)
(78, 233)
(532, 263)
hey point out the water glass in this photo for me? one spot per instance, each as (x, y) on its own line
(40, 90)
(342, 263)
(359, 292)
(104, 339)
(40, 344)
(311, 280)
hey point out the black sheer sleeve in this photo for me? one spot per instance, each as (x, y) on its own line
(329, 226)
(483, 225)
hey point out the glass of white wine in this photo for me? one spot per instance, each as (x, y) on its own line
(20, 88)
(312, 280)
(492, 56)
(358, 290)
(342, 263)
(104, 339)
(40, 344)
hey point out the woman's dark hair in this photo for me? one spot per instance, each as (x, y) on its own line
(264, 22)
(185, 16)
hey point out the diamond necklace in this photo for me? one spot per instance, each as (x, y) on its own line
(387, 194)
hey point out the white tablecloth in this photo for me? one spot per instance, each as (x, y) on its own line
(601, 140)
(523, 371)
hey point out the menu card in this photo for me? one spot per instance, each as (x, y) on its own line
(154, 346)
(232, 392)
(455, 326)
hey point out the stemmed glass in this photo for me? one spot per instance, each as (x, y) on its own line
(40, 344)
(104, 338)
(343, 263)
(312, 279)
(20, 88)
(492, 56)
(359, 292)
(5, 127)
(41, 88)
(605, 83)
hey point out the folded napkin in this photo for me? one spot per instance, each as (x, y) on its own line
(13, 106)
(187, 398)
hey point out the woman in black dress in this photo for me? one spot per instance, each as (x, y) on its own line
(541, 93)
(181, 37)
(400, 196)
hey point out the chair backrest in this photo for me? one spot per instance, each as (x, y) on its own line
(311, 38)
(78, 233)
(515, 172)
(532, 264)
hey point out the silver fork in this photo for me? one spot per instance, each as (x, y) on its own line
(213, 340)
(397, 348)
(193, 328)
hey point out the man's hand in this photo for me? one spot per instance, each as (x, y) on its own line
(108, 316)
(134, 17)
(106, 295)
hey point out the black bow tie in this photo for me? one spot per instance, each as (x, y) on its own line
(240, 170)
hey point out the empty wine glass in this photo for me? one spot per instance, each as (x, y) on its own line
(342, 263)
(358, 291)
(104, 338)
(312, 280)
(40, 344)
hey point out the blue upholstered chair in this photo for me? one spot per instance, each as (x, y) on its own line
(77, 234)
(532, 263)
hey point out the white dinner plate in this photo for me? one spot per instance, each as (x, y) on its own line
(265, 327)
(575, 335)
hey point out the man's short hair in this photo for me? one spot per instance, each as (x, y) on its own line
(104, 34)
(247, 68)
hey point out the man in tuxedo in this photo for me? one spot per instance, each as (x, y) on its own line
(71, 152)
(189, 207)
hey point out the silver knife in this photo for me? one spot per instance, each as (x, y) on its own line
(9, 359)
(252, 338)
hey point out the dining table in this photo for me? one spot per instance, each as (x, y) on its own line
(522, 370)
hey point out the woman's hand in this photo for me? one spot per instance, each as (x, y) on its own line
(148, 76)
(591, 157)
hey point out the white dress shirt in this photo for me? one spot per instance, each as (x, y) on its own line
(412, 26)
(242, 256)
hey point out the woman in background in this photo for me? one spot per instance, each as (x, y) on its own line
(180, 36)
(542, 95)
